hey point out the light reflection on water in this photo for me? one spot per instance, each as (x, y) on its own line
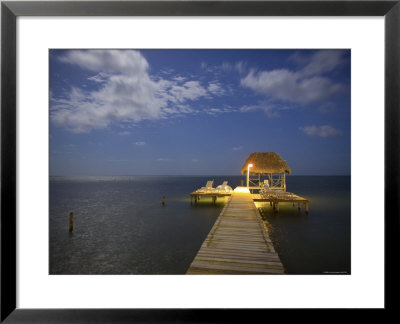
(120, 226)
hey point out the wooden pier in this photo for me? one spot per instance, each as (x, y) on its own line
(196, 196)
(274, 200)
(237, 243)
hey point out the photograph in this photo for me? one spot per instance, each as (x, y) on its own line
(199, 161)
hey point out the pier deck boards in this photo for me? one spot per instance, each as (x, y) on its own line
(237, 243)
(275, 200)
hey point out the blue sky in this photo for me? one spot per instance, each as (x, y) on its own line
(198, 112)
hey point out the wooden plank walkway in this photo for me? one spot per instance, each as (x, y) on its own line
(237, 243)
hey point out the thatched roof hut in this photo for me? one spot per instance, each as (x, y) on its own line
(266, 163)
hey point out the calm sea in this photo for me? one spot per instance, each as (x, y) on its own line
(121, 227)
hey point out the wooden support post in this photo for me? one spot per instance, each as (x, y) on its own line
(306, 204)
(214, 199)
(284, 181)
(270, 202)
(71, 221)
(163, 200)
(277, 207)
(298, 206)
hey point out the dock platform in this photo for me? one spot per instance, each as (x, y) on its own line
(196, 195)
(274, 200)
(237, 243)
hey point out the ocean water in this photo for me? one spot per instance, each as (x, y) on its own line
(121, 227)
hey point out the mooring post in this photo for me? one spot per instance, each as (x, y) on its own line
(306, 204)
(71, 221)
(163, 200)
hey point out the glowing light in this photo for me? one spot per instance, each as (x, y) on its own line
(241, 189)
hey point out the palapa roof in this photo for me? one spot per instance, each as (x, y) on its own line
(269, 162)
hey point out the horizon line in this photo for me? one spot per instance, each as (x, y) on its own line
(192, 175)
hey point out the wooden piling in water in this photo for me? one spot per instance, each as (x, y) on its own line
(163, 200)
(71, 221)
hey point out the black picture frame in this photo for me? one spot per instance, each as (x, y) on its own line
(11, 10)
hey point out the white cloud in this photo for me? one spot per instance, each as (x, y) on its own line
(270, 109)
(215, 88)
(167, 71)
(304, 86)
(237, 148)
(203, 65)
(218, 111)
(124, 133)
(223, 67)
(190, 90)
(127, 92)
(289, 86)
(179, 78)
(323, 61)
(140, 143)
(107, 61)
(99, 77)
(320, 131)
(240, 66)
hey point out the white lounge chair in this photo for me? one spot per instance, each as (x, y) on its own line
(208, 187)
(224, 187)
(266, 192)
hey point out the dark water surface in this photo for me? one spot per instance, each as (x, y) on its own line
(121, 227)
